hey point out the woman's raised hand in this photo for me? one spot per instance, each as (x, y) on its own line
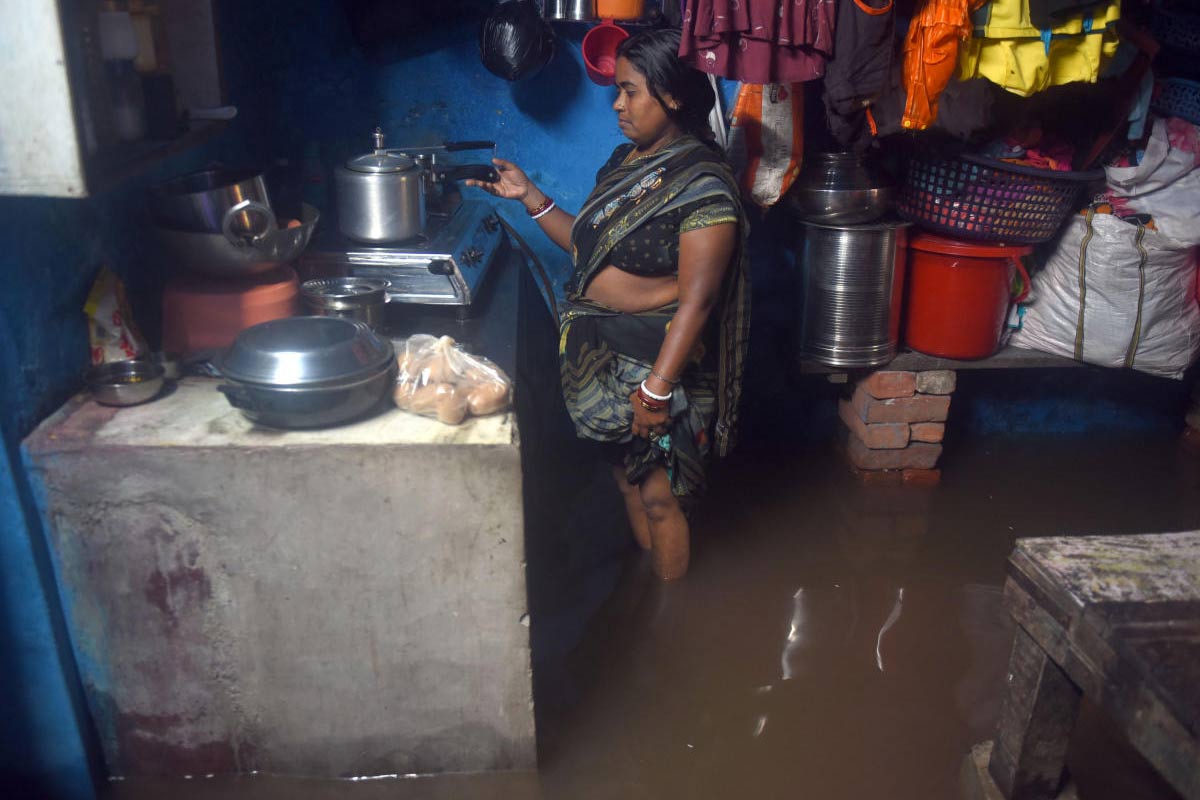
(514, 184)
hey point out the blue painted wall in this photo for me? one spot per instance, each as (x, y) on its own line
(309, 96)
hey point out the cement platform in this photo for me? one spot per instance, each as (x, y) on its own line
(344, 602)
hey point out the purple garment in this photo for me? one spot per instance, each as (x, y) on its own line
(759, 41)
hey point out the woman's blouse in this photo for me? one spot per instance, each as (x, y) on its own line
(652, 249)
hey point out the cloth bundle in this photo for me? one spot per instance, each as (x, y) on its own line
(759, 41)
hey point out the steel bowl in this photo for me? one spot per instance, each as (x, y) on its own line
(214, 254)
(362, 299)
(125, 383)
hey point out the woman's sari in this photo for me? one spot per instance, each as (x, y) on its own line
(604, 354)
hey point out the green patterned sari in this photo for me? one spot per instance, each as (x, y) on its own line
(604, 354)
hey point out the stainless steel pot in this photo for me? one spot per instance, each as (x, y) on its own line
(853, 286)
(308, 372)
(841, 189)
(214, 254)
(234, 203)
(574, 10)
(384, 196)
(362, 299)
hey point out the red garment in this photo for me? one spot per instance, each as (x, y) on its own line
(759, 41)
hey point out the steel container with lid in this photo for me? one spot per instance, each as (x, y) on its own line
(841, 188)
(363, 299)
(853, 278)
(380, 196)
(307, 372)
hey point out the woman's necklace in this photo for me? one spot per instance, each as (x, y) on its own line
(633, 154)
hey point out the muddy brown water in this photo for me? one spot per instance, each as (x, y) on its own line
(831, 640)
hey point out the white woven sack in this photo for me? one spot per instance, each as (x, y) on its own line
(1138, 308)
(1166, 183)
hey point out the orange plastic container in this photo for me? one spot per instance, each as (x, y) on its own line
(958, 294)
(620, 9)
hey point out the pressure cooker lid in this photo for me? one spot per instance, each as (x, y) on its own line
(305, 351)
(380, 162)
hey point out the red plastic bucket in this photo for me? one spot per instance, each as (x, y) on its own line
(958, 294)
(600, 51)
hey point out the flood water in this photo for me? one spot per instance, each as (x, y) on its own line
(832, 640)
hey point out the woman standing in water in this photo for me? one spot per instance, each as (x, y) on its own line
(653, 336)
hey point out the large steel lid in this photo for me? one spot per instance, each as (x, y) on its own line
(305, 351)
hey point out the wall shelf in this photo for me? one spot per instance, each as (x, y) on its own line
(911, 361)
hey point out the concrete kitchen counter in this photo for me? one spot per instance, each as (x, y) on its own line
(342, 602)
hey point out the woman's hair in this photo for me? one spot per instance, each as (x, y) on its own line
(654, 54)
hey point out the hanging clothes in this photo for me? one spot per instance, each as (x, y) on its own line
(759, 41)
(1011, 52)
(931, 56)
(860, 69)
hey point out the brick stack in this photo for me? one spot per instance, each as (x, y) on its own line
(894, 423)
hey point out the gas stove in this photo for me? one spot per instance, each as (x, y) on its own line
(446, 265)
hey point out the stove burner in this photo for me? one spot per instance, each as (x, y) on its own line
(445, 265)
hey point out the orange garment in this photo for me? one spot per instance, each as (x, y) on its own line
(931, 56)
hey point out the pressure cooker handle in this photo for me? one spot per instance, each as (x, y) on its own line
(476, 172)
(238, 397)
(454, 147)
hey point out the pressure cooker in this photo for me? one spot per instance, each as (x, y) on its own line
(384, 196)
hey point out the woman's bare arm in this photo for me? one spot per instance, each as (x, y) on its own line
(514, 184)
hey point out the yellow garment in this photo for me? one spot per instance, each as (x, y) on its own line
(1009, 19)
(1012, 54)
(1023, 67)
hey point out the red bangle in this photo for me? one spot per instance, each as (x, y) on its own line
(545, 206)
(649, 403)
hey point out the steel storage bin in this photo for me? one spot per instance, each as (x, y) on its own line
(853, 280)
(973, 197)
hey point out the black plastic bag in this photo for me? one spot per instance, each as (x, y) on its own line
(514, 41)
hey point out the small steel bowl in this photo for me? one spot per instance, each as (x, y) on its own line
(125, 383)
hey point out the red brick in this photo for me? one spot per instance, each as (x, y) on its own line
(922, 477)
(915, 456)
(936, 381)
(919, 408)
(931, 432)
(882, 436)
(886, 383)
(878, 477)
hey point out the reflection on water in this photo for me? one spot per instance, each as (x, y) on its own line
(893, 616)
(832, 641)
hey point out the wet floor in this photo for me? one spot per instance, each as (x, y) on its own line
(831, 641)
